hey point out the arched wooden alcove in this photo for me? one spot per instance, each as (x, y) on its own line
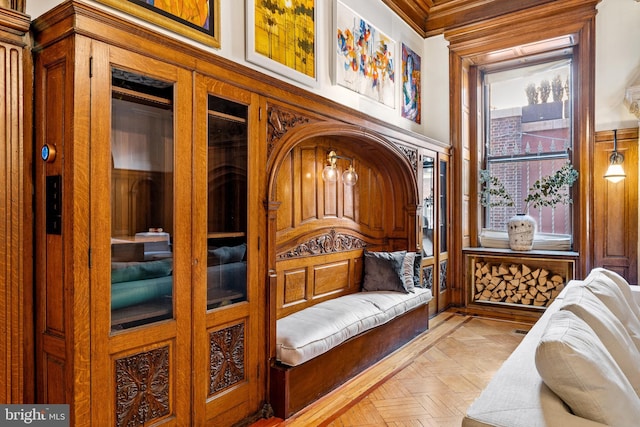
(307, 216)
(317, 232)
(381, 207)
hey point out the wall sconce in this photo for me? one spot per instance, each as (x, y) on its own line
(330, 172)
(615, 172)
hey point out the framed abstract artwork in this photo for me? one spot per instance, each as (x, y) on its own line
(281, 37)
(364, 57)
(411, 96)
(198, 20)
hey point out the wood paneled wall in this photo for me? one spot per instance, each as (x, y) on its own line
(16, 216)
(321, 228)
(615, 206)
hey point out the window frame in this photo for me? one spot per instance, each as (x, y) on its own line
(525, 63)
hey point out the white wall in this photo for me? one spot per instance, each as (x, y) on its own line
(617, 60)
(232, 18)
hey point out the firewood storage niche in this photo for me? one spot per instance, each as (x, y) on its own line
(530, 280)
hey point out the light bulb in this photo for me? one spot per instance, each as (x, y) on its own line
(330, 173)
(350, 177)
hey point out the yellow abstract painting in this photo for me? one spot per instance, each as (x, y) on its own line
(285, 32)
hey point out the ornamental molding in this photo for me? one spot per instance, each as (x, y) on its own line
(280, 121)
(411, 154)
(330, 242)
(632, 100)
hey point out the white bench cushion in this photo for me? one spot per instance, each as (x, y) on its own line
(303, 335)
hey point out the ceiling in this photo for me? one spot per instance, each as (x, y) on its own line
(432, 17)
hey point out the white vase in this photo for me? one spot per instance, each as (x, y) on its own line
(521, 229)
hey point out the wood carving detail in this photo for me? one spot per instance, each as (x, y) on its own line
(327, 243)
(427, 277)
(411, 154)
(142, 387)
(443, 275)
(226, 358)
(280, 122)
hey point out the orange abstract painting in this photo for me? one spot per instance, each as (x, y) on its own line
(193, 11)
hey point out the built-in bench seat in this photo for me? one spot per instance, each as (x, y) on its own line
(306, 334)
(364, 305)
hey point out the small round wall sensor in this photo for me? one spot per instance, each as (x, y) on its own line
(48, 153)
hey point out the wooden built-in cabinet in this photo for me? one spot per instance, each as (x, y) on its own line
(155, 264)
(435, 220)
(150, 302)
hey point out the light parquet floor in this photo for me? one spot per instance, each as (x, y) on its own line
(430, 382)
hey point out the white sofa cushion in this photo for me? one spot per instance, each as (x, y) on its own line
(612, 294)
(574, 363)
(308, 333)
(584, 304)
(623, 285)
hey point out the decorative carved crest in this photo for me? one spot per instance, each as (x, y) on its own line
(142, 390)
(411, 154)
(280, 122)
(226, 358)
(327, 243)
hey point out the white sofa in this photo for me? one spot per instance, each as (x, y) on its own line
(579, 365)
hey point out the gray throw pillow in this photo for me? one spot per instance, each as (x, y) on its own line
(383, 271)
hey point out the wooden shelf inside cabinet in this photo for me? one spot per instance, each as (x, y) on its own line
(226, 235)
(522, 280)
(140, 314)
(220, 296)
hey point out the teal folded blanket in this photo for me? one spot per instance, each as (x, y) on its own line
(126, 294)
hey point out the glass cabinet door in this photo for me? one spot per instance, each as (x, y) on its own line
(142, 160)
(428, 205)
(228, 296)
(226, 202)
(443, 234)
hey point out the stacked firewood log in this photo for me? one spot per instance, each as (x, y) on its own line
(516, 284)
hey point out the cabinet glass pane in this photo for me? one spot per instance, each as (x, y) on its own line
(141, 200)
(428, 215)
(442, 235)
(226, 203)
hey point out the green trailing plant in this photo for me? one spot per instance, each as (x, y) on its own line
(493, 192)
(545, 192)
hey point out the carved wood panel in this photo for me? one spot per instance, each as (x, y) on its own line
(227, 358)
(142, 387)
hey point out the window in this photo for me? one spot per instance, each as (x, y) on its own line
(528, 135)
